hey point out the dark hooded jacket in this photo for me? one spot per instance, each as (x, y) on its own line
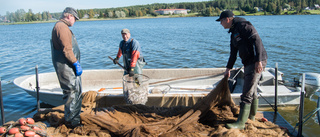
(246, 40)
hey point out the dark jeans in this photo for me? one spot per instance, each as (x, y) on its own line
(251, 79)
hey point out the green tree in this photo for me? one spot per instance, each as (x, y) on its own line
(217, 11)
(101, 15)
(140, 13)
(18, 16)
(9, 16)
(29, 16)
(241, 4)
(81, 13)
(136, 13)
(299, 7)
(49, 15)
(126, 11)
(247, 8)
(44, 16)
(279, 10)
(202, 6)
(303, 4)
(287, 6)
(91, 13)
(39, 16)
(242, 13)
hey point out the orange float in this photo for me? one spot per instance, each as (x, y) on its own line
(29, 133)
(30, 121)
(22, 121)
(3, 130)
(36, 128)
(264, 119)
(18, 135)
(13, 131)
(24, 127)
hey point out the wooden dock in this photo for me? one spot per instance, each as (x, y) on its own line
(279, 120)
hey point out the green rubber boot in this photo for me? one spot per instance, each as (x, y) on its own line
(243, 117)
(254, 108)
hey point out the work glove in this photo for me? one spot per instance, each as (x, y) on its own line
(131, 72)
(77, 67)
(116, 60)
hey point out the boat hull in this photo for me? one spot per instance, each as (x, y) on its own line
(188, 85)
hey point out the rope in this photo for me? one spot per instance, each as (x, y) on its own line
(267, 102)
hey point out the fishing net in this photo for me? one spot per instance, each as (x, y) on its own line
(206, 118)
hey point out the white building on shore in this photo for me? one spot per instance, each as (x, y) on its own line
(172, 11)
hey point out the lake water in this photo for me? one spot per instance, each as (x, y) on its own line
(292, 41)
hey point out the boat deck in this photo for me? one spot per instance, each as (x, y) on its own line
(277, 119)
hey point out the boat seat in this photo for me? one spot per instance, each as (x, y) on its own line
(271, 89)
(266, 78)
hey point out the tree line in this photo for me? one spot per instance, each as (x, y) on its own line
(205, 8)
(22, 16)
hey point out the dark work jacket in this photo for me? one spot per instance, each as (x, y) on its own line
(245, 40)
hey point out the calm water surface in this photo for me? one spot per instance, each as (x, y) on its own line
(197, 42)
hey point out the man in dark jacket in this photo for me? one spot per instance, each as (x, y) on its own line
(245, 40)
(66, 61)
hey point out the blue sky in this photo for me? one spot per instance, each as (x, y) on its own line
(58, 5)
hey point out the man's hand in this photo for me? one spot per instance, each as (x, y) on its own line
(258, 67)
(131, 72)
(78, 69)
(116, 60)
(227, 73)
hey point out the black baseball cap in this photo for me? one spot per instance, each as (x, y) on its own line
(225, 14)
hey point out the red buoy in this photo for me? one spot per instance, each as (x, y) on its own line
(22, 121)
(264, 119)
(18, 135)
(24, 127)
(3, 130)
(30, 121)
(13, 131)
(36, 128)
(29, 133)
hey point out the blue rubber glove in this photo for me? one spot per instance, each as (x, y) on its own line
(78, 69)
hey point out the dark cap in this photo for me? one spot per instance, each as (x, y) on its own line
(125, 31)
(225, 14)
(71, 11)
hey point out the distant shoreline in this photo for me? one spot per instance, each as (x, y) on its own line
(148, 17)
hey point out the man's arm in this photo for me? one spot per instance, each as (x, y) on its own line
(65, 36)
(135, 53)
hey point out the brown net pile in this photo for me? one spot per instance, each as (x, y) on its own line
(206, 118)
